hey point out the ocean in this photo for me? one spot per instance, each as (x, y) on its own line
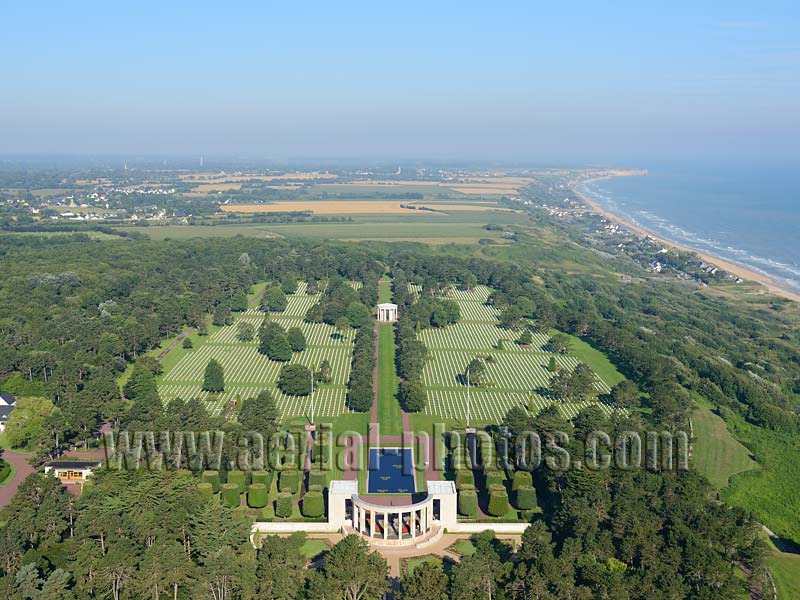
(749, 215)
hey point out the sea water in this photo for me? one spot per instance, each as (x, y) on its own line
(744, 213)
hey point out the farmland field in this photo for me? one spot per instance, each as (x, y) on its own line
(247, 371)
(514, 376)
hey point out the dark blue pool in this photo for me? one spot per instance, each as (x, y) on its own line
(391, 471)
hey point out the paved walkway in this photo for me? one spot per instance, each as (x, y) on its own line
(23, 469)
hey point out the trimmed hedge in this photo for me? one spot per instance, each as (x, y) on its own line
(205, 489)
(211, 477)
(5, 469)
(264, 477)
(283, 506)
(289, 482)
(498, 501)
(526, 498)
(464, 477)
(238, 478)
(521, 479)
(313, 504)
(494, 477)
(468, 503)
(229, 494)
(315, 488)
(319, 478)
(257, 495)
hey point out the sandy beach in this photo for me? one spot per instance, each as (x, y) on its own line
(744, 272)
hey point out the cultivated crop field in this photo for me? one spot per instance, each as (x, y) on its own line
(247, 371)
(515, 375)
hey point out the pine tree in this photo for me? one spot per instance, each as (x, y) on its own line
(214, 378)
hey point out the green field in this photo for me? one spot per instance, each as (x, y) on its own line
(247, 371)
(714, 451)
(456, 227)
(771, 491)
(515, 375)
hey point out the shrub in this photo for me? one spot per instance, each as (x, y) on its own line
(264, 477)
(526, 498)
(468, 503)
(229, 494)
(494, 477)
(283, 506)
(521, 479)
(205, 489)
(288, 482)
(5, 469)
(464, 477)
(313, 504)
(211, 477)
(237, 477)
(187, 344)
(498, 501)
(257, 495)
(319, 478)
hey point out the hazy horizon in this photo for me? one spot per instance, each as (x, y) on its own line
(627, 84)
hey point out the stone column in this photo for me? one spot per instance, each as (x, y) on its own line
(413, 523)
(385, 526)
(362, 517)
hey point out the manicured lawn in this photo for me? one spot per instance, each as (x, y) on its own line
(715, 453)
(785, 570)
(409, 564)
(313, 548)
(598, 361)
(390, 415)
(384, 290)
(463, 547)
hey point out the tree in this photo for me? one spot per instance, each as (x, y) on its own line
(476, 369)
(295, 380)
(288, 284)
(343, 326)
(280, 567)
(525, 338)
(511, 317)
(413, 394)
(222, 315)
(245, 331)
(560, 343)
(268, 331)
(26, 421)
(552, 365)
(274, 299)
(279, 349)
(239, 302)
(352, 572)
(324, 375)
(426, 582)
(358, 314)
(625, 394)
(214, 377)
(187, 344)
(259, 414)
(296, 339)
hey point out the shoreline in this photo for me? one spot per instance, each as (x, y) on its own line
(747, 273)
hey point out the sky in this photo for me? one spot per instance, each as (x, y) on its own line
(523, 81)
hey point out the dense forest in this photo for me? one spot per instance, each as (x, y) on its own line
(75, 313)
